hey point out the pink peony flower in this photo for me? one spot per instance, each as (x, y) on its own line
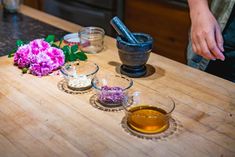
(42, 65)
(39, 57)
(38, 45)
(57, 56)
(22, 56)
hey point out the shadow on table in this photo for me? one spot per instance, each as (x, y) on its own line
(152, 72)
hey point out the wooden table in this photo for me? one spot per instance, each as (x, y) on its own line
(38, 119)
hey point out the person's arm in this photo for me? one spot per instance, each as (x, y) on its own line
(206, 35)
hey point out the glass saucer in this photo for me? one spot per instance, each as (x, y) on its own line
(172, 130)
(63, 86)
(94, 101)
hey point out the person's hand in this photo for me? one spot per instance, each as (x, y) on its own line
(207, 40)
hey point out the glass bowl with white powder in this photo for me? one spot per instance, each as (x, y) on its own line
(79, 74)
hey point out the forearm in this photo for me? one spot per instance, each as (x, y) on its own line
(197, 6)
(206, 36)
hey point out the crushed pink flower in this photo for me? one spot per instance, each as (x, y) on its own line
(39, 57)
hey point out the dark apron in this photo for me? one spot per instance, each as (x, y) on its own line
(226, 69)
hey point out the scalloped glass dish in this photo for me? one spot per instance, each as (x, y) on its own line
(149, 113)
(79, 74)
(111, 90)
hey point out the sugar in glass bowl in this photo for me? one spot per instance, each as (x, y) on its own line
(79, 74)
(111, 89)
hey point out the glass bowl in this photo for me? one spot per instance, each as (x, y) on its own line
(111, 90)
(149, 113)
(79, 74)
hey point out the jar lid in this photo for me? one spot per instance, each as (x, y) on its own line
(72, 39)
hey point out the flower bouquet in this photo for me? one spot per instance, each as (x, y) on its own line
(41, 57)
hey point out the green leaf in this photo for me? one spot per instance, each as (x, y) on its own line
(54, 45)
(72, 57)
(61, 40)
(11, 54)
(72, 54)
(81, 56)
(66, 50)
(24, 70)
(19, 43)
(50, 39)
(74, 48)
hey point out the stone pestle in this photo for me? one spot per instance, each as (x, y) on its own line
(123, 31)
(133, 49)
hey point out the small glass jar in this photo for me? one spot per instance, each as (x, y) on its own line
(11, 5)
(91, 39)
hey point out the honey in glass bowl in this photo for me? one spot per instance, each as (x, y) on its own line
(149, 119)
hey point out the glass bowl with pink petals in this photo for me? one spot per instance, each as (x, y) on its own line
(111, 89)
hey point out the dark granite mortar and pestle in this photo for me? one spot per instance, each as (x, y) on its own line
(133, 49)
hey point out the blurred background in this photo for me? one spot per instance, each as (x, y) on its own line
(166, 20)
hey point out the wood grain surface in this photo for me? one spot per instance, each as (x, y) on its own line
(38, 119)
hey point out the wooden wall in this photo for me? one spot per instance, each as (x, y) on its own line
(167, 22)
(37, 4)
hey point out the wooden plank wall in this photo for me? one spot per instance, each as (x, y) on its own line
(37, 4)
(167, 22)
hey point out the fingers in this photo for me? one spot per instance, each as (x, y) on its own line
(195, 44)
(199, 46)
(212, 44)
(194, 47)
(209, 44)
(205, 51)
(219, 39)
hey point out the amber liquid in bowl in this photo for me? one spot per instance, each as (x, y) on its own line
(147, 119)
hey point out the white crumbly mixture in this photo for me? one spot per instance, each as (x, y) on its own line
(79, 81)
